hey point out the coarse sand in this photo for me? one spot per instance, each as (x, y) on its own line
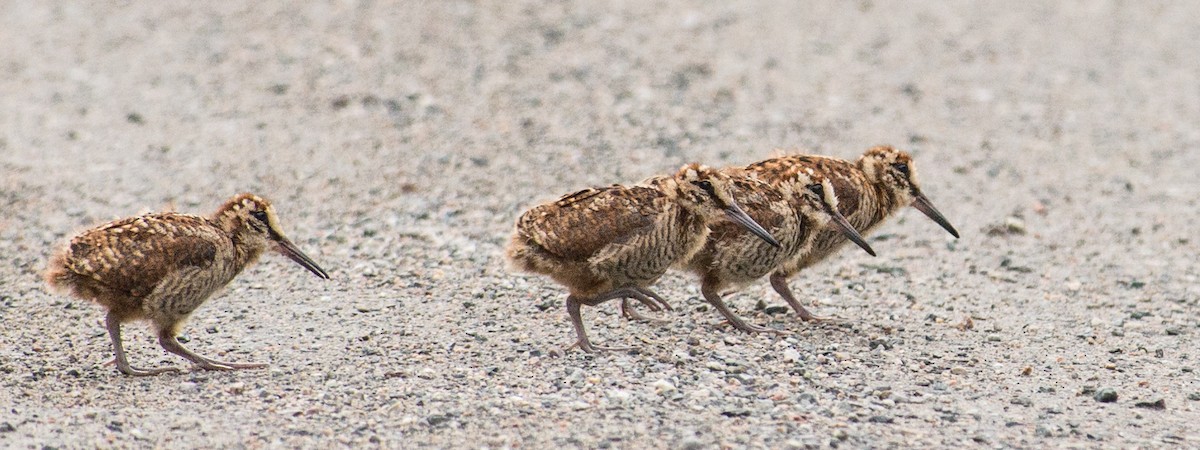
(400, 140)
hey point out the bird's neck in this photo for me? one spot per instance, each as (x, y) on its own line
(247, 246)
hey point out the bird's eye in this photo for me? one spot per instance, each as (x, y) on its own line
(816, 188)
(704, 184)
(261, 216)
(901, 167)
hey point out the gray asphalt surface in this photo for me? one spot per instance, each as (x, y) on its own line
(399, 141)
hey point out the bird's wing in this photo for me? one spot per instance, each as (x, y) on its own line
(579, 225)
(133, 255)
(845, 177)
(761, 201)
(847, 180)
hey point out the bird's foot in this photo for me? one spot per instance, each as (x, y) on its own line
(209, 364)
(140, 372)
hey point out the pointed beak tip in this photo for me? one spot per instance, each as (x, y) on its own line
(926, 207)
(292, 252)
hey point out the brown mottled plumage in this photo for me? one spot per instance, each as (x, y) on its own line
(613, 242)
(793, 212)
(161, 267)
(882, 181)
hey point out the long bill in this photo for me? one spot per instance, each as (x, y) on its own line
(289, 249)
(922, 204)
(740, 217)
(847, 229)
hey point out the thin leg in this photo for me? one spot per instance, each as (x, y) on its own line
(630, 313)
(779, 282)
(713, 298)
(656, 297)
(114, 332)
(650, 299)
(573, 304)
(167, 340)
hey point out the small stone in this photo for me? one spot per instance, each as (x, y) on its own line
(775, 309)
(1106, 395)
(1011, 225)
(619, 394)
(6, 427)
(1021, 401)
(966, 324)
(791, 355)
(691, 443)
(1195, 396)
(663, 386)
(739, 412)
(1159, 404)
(189, 386)
(580, 405)
(958, 370)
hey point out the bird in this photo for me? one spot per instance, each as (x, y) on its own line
(871, 189)
(794, 213)
(160, 267)
(613, 242)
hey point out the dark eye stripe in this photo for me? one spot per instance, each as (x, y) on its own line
(260, 216)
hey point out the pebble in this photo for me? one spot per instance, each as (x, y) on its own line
(188, 386)
(775, 309)
(1106, 395)
(1159, 404)
(691, 443)
(663, 387)
(791, 355)
(580, 405)
(619, 394)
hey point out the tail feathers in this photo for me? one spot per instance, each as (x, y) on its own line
(58, 276)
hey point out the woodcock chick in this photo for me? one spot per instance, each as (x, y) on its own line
(794, 212)
(613, 242)
(882, 181)
(161, 267)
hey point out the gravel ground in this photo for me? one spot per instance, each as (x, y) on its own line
(400, 141)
